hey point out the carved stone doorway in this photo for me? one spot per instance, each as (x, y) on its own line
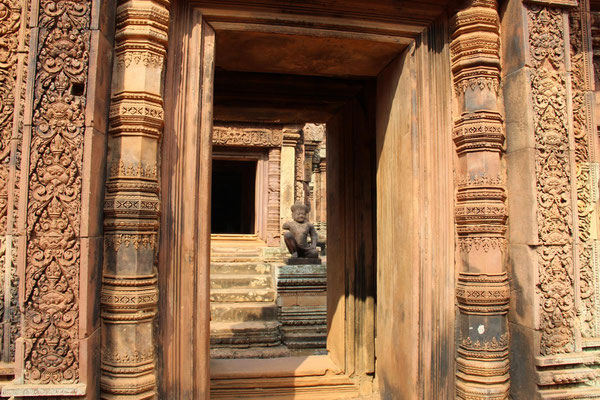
(381, 157)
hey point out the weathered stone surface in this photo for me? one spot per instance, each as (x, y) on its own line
(225, 312)
(302, 261)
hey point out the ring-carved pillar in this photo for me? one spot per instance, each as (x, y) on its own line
(482, 289)
(129, 292)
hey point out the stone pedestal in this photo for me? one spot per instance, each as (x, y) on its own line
(302, 301)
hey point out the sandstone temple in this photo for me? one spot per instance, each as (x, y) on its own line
(442, 156)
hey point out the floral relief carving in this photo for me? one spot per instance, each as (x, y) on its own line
(243, 136)
(54, 207)
(582, 133)
(554, 218)
(12, 77)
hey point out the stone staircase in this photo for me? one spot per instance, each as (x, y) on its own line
(243, 309)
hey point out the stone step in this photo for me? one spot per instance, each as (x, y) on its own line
(242, 295)
(245, 334)
(250, 352)
(240, 268)
(230, 312)
(231, 281)
(305, 338)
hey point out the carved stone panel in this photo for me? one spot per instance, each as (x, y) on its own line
(52, 259)
(13, 81)
(248, 136)
(553, 169)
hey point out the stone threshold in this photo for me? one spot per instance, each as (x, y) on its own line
(236, 240)
(299, 378)
(273, 367)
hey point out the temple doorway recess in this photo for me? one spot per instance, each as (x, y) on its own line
(233, 192)
(363, 83)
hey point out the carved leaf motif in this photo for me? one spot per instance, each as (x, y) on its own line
(54, 208)
(585, 204)
(553, 170)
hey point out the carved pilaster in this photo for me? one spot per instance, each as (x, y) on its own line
(482, 289)
(51, 218)
(273, 225)
(289, 162)
(586, 167)
(129, 292)
(13, 83)
(554, 191)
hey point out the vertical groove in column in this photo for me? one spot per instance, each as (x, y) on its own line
(129, 292)
(482, 289)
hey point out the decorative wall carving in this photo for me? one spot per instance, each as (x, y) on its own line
(13, 79)
(482, 289)
(553, 169)
(51, 294)
(582, 86)
(251, 136)
(273, 224)
(299, 172)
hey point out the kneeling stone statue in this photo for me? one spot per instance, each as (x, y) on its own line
(296, 237)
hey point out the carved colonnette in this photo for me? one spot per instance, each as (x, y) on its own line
(129, 292)
(482, 290)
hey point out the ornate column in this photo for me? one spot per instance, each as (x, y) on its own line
(129, 293)
(482, 289)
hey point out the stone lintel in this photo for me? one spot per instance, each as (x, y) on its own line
(553, 3)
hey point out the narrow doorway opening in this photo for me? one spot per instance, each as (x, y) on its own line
(268, 182)
(233, 192)
(267, 313)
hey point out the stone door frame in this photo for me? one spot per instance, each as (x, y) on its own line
(261, 157)
(185, 235)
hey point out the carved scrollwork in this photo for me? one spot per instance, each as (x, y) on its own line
(12, 82)
(235, 135)
(581, 82)
(553, 170)
(54, 208)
